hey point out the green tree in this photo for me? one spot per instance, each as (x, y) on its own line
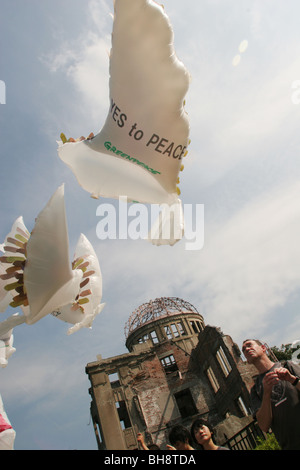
(270, 443)
(284, 353)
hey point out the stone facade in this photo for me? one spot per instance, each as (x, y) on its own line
(177, 369)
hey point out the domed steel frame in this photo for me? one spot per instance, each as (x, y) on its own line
(158, 308)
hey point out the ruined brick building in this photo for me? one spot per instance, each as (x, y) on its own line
(177, 369)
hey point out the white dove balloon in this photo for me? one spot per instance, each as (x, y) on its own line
(39, 275)
(7, 433)
(12, 266)
(6, 347)
(296, 354)
(82, 311)
(139, 151)
(5, 297)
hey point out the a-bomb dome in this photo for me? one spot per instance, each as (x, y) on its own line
(155, 309)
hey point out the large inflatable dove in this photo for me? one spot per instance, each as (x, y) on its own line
(139, 151)
(6, 347)
(86, 305)
(7, 433)
(295, 346)
(37, 273)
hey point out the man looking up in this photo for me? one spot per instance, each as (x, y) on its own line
(275, 395)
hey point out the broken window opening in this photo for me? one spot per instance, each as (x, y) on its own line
(154, 337)
(196, 326)
(212, 379)
(143, 339)
(223, 361)
(169, 363)
(123, 414)
(242, 406)
(114, 379)
(168, 332)
(185, 403)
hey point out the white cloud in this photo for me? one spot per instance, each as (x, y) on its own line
(250, 265)
(38, 375)
(85, 64)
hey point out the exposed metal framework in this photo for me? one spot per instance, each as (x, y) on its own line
(155, 309)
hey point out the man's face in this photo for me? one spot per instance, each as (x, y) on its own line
(252, 350)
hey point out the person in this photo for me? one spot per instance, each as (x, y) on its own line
(180, 438)
(202, 433)
(275, 395)
(140, 439)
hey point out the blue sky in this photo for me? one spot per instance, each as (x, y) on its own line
(243, 165)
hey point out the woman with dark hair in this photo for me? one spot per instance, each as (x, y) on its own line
(202, 433)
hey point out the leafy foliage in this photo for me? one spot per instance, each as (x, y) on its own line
(270, 443)
(283, 353)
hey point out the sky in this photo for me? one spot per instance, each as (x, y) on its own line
(243, 166)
